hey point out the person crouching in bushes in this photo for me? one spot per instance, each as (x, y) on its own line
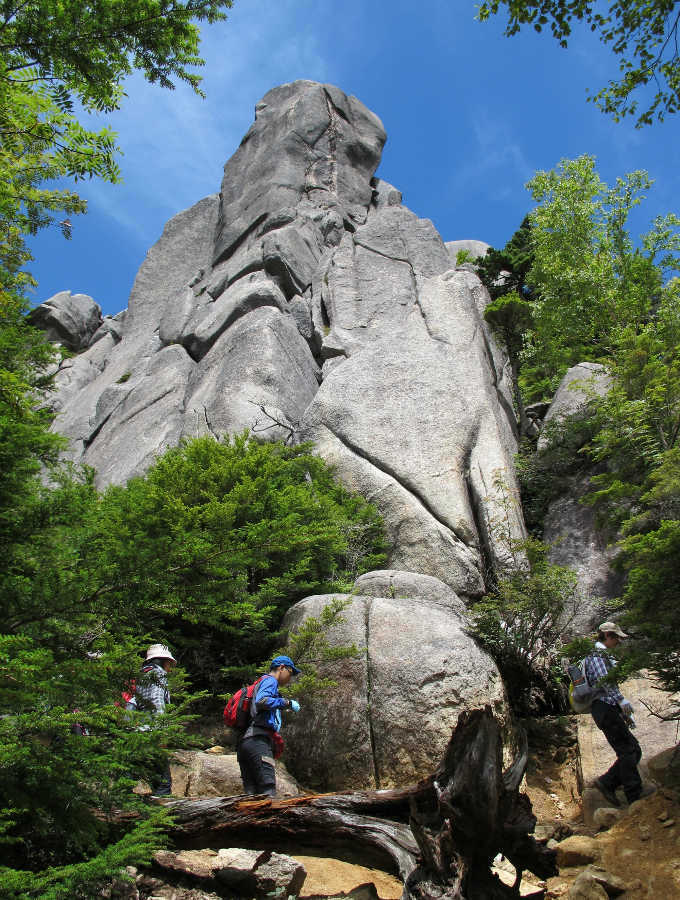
(152, 695)
(261, 742)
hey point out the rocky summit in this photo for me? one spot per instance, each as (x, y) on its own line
(306, 302)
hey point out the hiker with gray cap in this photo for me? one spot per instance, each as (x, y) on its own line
(613, 715)
(261, 742)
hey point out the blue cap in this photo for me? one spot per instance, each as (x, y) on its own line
(284, 661)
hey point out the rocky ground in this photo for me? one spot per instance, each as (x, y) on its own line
(638, 857)
(632, 852)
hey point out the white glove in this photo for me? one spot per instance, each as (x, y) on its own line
(626, 708)
(295, 706)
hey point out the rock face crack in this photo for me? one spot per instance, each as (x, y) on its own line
(335, 108)
(88, 440)
(369, 713)
(475, 502)
(242, 238)
(136, 412)
(502, 399)
(332, 132)
(357, 240)
(386, 470)
(430, 333)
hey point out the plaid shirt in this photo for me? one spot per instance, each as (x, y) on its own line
(597, 664)
(151, 691)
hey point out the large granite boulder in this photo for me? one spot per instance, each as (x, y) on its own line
(198, 774)
(393, 583)
(69, 319)
(390, 717)
(580, 385)
(569, 526)
(306, 294)
(579, 543)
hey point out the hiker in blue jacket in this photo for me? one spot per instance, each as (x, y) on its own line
(261, 741)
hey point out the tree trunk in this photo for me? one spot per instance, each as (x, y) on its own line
(440, 835)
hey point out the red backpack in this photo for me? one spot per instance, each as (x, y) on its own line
(237, 710)
(127, 694)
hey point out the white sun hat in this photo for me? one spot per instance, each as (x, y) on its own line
(159, 651)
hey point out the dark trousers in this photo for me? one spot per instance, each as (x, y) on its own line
(256, 762)
(624, 773)
(161, 782)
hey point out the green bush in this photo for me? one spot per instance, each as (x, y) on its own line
(522, 623)
(215, 542)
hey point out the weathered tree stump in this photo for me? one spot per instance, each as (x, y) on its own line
(441, 835)
(474, 812)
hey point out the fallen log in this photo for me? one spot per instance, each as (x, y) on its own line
(301, 824)
(440, 835)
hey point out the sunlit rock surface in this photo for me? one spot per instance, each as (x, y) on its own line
(306, 288)
(390, 717)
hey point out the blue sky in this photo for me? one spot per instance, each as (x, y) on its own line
(470, 116)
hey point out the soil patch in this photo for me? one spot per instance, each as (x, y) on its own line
(552, 776)
(644, 846)
(328, 877)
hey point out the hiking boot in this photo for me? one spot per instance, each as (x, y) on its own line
(608, 794)
(646, 791)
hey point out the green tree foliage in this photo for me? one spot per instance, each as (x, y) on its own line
(591, 281)
(584, 279)
(599, 297)
(57, 58)
(651, 597)
(638, 491)
(219, 538)
(53, 841)
(505, 271)
(522, 623)
(643, 35)
(638, 422)
(25, 443)
(61, 828)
